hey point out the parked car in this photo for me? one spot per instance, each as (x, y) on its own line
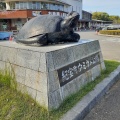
(5, 35)
(111, 28)
(102, 27)
(99, 28)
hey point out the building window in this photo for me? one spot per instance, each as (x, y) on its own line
(65, 8)
(25, 5)
(34, 5)
(61, 7)
(17, 5)
(44, 6)
(38, 5)
(21, 5)
(56, 7)
(12, 5)
(30, 5)
(51, 6)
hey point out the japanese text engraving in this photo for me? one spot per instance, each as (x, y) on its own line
(70, 72)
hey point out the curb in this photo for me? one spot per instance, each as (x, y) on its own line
(82, 108)
(108, 35)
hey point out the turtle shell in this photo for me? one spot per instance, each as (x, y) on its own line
(40, 25)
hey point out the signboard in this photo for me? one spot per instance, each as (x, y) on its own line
(71, 71)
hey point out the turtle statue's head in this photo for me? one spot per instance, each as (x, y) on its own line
(70, 21)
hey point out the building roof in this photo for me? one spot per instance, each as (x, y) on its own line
(86, 12)
(85, 20)
(48, 1)
(101, 20)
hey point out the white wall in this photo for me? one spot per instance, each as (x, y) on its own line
(7, 6)
(76, 5)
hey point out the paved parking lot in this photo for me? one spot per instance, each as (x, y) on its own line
(110, 46)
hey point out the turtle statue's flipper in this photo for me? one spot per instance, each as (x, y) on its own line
(41, 39)
(74, 37)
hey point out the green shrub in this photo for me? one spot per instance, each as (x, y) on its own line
(110, 32)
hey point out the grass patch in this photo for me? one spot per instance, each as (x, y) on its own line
(7, 77)
(16, 106)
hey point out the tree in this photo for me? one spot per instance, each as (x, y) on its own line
(106, 17)
(101, 16)
(115, 19)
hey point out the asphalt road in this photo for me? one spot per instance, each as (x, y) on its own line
(110, 46)
(109, 107)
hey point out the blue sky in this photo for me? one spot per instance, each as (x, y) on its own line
(112, 7)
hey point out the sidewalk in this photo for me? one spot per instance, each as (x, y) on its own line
(109, 106)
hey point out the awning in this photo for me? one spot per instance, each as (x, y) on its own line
(84, 20)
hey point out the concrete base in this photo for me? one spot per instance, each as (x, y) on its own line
(51, 73)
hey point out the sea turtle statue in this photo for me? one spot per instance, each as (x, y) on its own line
(46, 29)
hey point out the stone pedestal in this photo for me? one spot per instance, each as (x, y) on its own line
(51, 73)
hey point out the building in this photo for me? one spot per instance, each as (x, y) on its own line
(88, 23)
(97, 23)
(18, 11)
(85, 22)
(76, 5)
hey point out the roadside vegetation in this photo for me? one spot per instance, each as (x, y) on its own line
(17, 106)
(110, 32)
